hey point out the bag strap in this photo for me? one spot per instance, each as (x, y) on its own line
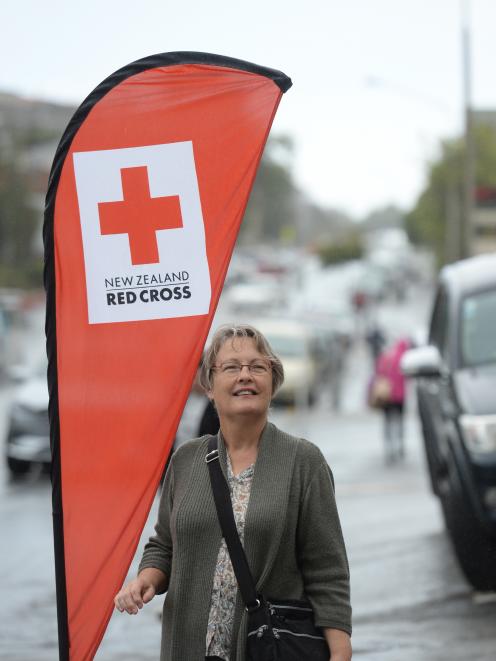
(223, 505)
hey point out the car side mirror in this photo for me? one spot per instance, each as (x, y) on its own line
(422, 362)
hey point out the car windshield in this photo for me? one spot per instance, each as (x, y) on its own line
(478, 339)
(287, 346)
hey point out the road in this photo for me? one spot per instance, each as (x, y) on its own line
(410, 601)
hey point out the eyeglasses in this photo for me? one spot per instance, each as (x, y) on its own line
(233, 368)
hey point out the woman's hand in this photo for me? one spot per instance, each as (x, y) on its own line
(339, 643)
(139, 591)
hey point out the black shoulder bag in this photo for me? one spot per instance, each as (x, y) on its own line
(278, 629)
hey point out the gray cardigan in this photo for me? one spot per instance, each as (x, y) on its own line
(293, 540)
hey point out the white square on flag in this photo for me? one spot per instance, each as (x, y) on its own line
(143, 233)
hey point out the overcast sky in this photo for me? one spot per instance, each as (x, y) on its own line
(358, 145)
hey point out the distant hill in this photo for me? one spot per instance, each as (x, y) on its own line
(30, 131)
(38, 119)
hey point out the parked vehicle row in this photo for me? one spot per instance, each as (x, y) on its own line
(314, 327)
(292, 342)
(309, 355)
(456, 377)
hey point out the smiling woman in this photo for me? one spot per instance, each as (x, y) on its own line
(282, 497)
(240, 374)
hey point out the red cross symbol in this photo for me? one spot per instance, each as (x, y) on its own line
(139, 215)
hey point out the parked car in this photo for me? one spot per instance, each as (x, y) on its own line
(292, 342)
(258, 295)
(28, 434)
(456, 390)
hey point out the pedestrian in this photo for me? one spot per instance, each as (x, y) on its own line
(199, 417)
(337, 370)
(389, 378)
(282, 496)
(360, 302)
(376, 341)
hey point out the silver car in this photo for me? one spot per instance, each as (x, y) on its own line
(28, 434)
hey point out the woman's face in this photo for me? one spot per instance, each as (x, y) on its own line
(244, 392)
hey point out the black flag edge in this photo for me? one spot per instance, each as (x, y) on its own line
(131, 69)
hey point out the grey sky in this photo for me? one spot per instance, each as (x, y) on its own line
(358, 145)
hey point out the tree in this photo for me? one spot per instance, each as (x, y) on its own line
(18, 222)
(435, 217)
(270, 215)
(279, 212)
(350, 248)
(384, 217)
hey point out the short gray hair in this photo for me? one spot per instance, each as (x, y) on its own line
(227, 332)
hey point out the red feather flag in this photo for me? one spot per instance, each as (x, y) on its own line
(146, 196)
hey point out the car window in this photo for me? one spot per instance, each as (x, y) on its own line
(478, 321)
(438, 335)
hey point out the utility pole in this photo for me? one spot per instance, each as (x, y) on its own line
(453, 213)
(467, 217)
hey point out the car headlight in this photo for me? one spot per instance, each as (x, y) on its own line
(479, 433)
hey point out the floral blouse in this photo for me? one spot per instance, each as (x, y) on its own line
(225, 586)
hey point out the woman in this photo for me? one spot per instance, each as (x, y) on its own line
(284, 506)
(388, 367)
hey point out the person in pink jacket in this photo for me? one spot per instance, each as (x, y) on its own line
(388, 367)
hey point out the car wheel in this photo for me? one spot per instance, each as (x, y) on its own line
(17, 467)
(433, 465)
(431, 458)
(474, 548)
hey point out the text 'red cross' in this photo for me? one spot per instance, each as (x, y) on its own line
(139, 215)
